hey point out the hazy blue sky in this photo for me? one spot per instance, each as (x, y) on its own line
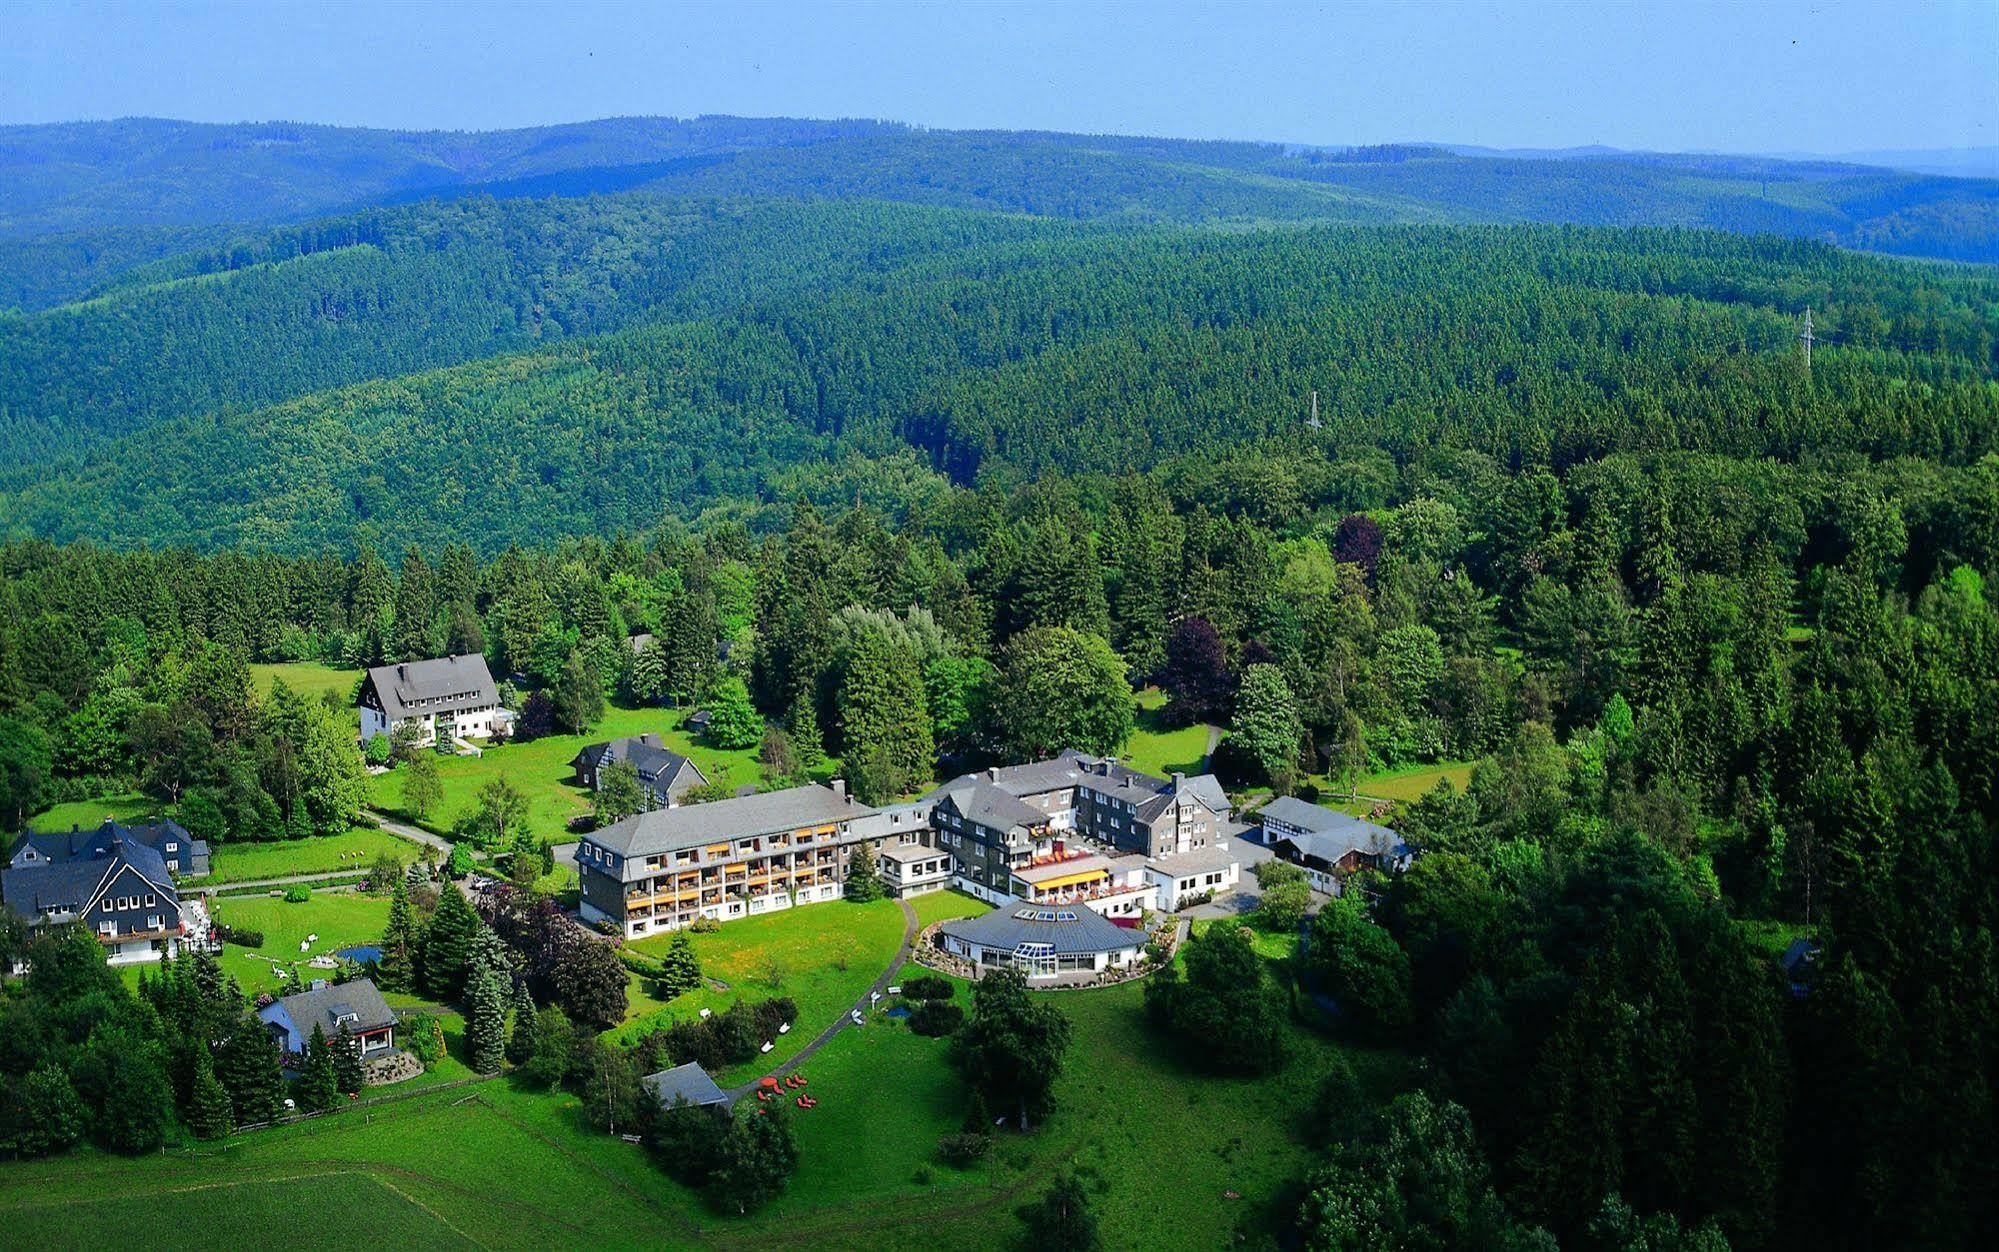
(1774, 75)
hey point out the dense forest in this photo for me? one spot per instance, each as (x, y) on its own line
(1706, 692)
(910, 348)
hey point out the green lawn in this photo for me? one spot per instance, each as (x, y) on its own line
(541, 772)
(940, 905)
(90, 814)
(339, 918)
(827, 956)
(1416, 781)
(309, 677)
(512, 1168)
(356, 850)
(1160, 750)
(319, 1207)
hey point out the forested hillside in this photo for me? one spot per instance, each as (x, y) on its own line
(777, 338)
(80, 203)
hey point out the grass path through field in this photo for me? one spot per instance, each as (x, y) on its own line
(909, 927)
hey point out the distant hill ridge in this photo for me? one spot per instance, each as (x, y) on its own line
(82, 202)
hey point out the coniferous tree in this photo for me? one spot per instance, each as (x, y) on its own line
(884, 718)
(318, 1086)
(248, 1065)
(803, 725)
(485, 1021)
(864, 881)
(521, 1037)
(208, 1111)
(397, 967)
(579, 696)
(447, 945)
(348, 1072)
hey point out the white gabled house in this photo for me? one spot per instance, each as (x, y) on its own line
(452, 696)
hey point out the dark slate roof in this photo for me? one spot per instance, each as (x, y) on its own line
(691, 826)
(1069, 930)
(75, 843)
(1149, 794)
(644, 754)
(458, 681)
(988, 805)
(687, 1082)
(358, 1001)
(68, 886)
(1335, 835)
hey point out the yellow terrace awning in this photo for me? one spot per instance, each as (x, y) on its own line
(1070, 880)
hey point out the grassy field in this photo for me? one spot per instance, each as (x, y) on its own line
(90, 814)
(541, 772)
(355, 850)
(826, 956)
(1160, 750)
(329, 1207)
(339, 918)
(1167, 1148)
(309, 677)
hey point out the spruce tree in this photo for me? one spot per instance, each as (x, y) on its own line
(447, 944)
(485, 1021)
(397, 968)
(248, 1066)
(680, 968)
(864, 881)
(207, 1104)
(318, 1087)
(803, 724)
(347, 1071)
(521, 1037)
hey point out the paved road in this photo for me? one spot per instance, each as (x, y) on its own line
(413, 833)
(843, 1021)
(327, 876)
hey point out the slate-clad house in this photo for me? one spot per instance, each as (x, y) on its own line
(1327, 845)
(112, 880)
(184, 855)
(356, 1005)
(664, 776)
(1016, 829)
(452, 696)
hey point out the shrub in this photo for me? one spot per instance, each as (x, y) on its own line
(297, 893)
(731, 1036)
(241, 936)
(377, 750)
(929, 987)
(962, 1151)
(936, 1019)
(425, 1040)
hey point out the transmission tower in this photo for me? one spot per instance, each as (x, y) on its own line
(1806, 337)
(1313, 421)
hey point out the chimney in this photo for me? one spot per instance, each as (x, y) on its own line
(1179, 780)
(402, 671)
(992, 773)
(839, 786)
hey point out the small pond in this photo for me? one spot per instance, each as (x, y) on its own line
(361, 953)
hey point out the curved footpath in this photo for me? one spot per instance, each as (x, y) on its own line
(880, 984)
